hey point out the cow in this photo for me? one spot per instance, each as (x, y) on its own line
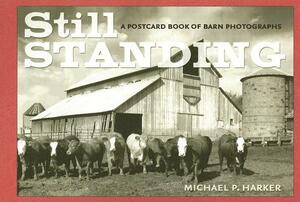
(59, 154)
(87, 152)
(234, 150)
(137, 151)
(157, 153)
(189, 154)
(116, 152)
(33, 153)
(200, 148)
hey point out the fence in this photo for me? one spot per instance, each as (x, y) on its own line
(83, 135)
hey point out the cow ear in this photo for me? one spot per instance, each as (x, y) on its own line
(137, 137)
(105, 139)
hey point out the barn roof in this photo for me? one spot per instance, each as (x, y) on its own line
(265, 72)
(103, 100)
(34, 110)
(105, 75)
(119, 72)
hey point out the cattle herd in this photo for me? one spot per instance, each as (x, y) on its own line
(186, 155)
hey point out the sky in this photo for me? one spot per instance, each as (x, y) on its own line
(47, 85)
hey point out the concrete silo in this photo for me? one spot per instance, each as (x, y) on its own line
(267, 100)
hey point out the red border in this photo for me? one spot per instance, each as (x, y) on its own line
(8, 89)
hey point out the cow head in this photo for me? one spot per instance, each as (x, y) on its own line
(21, 146)
(240, 144)
(53, 146)
(182, 146)
(73, 146)
(142, 141)
(112, 142)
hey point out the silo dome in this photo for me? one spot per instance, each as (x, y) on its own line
(266, 99)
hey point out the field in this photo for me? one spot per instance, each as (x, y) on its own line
(264, 166)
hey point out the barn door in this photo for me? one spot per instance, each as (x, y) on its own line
(128, 123)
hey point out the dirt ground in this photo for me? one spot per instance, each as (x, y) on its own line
(270, 166)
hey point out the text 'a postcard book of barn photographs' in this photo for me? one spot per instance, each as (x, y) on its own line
(155, 101)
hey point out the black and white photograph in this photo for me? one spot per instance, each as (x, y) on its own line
(155, 101)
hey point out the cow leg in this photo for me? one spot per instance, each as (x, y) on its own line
(183, 164)
(109, 164)
(47, 164)
(120, 163)
(55, 167)
(144, 168)
(166, 166)
(79, 168)
(234, 167)
(242, 168)
(67, 168)
(43, 168)
(221, 162)
(24, 168)
(195, 173)
(74, 164)
(121, 170)
(35, 167)
(158, 158)
(88, 166)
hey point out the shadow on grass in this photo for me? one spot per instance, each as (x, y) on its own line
(247, 172)
(206, 176)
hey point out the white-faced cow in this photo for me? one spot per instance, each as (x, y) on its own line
(33, 153)
(157, 153)
(137, 145)
(115, 150)
(234, 150)
(191, 153)
(87, 152)
(59, 155)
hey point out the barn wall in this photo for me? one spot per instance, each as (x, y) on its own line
(159, 104)
(227, 112)
(82, 126)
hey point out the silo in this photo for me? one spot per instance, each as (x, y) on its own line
(266, 100)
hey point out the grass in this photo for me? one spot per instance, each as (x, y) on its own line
(264, 165)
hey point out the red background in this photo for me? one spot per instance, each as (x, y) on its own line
(8, 96)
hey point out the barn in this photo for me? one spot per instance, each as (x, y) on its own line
(160, 102)
(268, 106)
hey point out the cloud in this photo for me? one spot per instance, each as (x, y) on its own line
(47, 85)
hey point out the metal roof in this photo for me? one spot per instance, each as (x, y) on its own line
(103, 100)
(105, 75)
(266, 72)
(34, 110)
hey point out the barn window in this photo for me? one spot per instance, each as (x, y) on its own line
(191, 89)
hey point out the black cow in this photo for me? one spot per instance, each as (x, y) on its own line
(200, 148)
(157, 152)
(87, 152)
(59, 155)
(33, 153)
(189, 154)
(234, 150)
(173, 159)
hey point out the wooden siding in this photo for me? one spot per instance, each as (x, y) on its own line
(227, 112)
(159, 104)
(165, 112)
(85, 126)
(208, 77)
